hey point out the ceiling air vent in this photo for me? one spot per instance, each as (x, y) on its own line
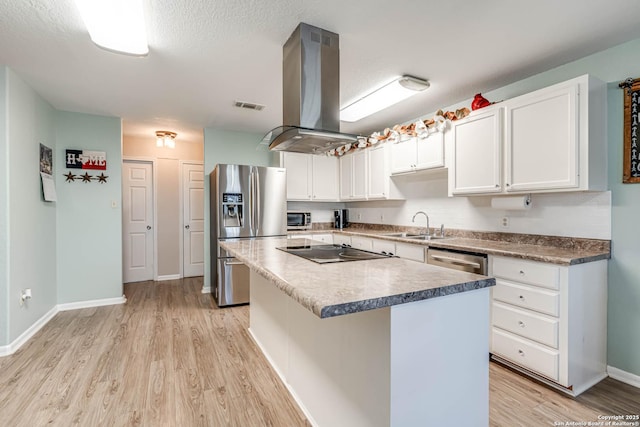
(249, 105)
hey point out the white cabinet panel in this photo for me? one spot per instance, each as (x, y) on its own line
(553, 139)
(360, 175)
(311, 177)
(417, 154)
(363, 243)
(477, 153)
(341, 239)
(543, 329)
(384, 246)
(298, 175)
(535, 357)
(325, 178)
(409, 251)
(542, 140)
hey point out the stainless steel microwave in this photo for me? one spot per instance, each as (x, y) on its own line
(297, 220)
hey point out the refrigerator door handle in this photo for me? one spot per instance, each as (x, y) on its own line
(251, 203)
(257, 215)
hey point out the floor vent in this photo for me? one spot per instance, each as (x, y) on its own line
(249, 105)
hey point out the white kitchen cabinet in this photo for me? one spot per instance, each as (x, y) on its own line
(323, 237)
(311, 177)
(409, 251)
(353, 176)
(363, 243)
(550, 140)
(384, 246)
(299, 175)
(325, 178)
(417, 154)
(341, 239)
(477, 153)
(552, 135)
(380, 186)
(365, 175)
(549, 321)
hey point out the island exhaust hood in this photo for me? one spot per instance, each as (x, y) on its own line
(311, 94)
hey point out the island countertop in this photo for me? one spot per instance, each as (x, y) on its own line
(335, 289)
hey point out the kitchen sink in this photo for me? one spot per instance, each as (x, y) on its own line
(414, 236)
(424, 237)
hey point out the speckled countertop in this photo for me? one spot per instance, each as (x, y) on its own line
(551, 249)
(336, 289)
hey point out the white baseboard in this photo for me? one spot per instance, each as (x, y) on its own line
(26, 335)
(91, 303)
(7, 350)
(206, 289)
(623, 376)
(168, 277)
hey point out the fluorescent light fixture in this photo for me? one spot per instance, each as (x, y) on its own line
(116, 25)
(398, 90)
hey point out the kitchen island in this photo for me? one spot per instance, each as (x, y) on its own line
(384, 342)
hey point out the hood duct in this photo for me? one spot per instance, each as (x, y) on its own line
(311, 94)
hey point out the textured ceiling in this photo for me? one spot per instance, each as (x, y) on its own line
(206, 54)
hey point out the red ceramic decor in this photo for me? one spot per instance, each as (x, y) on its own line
(479, 101)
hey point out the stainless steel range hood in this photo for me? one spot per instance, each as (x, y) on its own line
(311, 94)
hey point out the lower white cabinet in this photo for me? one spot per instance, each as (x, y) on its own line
(341, 239)
(363, 243)
(409, 251)
(324, 237)
(550, 320)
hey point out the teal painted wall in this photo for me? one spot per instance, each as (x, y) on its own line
(89, 229)
(227, 147)
(32, 221)
(4, 224)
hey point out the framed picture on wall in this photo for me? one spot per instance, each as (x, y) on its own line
(631, 153)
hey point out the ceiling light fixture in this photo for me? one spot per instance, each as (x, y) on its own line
(164, 138)
(116, 25)
(398, 90)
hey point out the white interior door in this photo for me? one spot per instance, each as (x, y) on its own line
(193, 230)
(137, 221)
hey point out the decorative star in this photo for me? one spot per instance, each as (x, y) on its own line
(102, 178)
(86, 177)
(70, 177)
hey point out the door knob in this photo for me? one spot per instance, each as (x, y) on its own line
(148, 227)
(186, 226)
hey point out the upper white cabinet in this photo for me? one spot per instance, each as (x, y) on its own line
(550, 140)
(353, 176)
(324, 178)
(311, 177)
(477, 153)
(418, 154)
(364, 175)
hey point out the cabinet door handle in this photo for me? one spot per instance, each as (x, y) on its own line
(148, 227)
(521, 324)
(497, 185)
(521, 297)
(521, 353)
(521, 272)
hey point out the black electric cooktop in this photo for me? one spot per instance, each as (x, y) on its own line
(325, 254)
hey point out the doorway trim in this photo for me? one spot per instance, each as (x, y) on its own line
(154, 180)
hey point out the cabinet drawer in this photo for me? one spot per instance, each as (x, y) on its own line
(526, 353)
(535, 273)
(412, 252)
(527, 324)
(341, 239)
(325, 238)
(361, 243)
(528, 297)
(384, 246)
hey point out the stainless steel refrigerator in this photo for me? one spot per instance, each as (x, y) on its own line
(247, 202)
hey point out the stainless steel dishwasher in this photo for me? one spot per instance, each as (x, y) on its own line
(458, 260)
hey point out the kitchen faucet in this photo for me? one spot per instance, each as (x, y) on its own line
(426, 216)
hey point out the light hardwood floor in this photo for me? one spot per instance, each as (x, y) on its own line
(170, 357)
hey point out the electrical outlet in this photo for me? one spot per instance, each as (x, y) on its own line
(382, 218)
(359, 216)
(114, 204)
(505, 222)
